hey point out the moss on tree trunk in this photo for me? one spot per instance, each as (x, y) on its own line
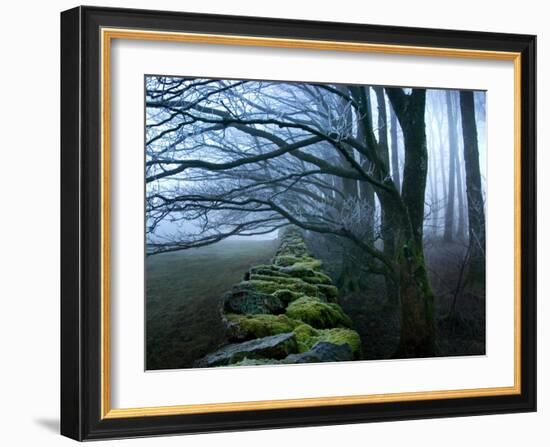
(417, 306)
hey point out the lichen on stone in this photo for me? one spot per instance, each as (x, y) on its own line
(307, 337)
(247, 327)
(286, 260)
(285, 312)
(322, 352)
(286, 295)
(330, 292)
(273, 284)
(275, 346)
(318, 278)
(269, 270)
(318, 314)
(255, 362)
(251, 301)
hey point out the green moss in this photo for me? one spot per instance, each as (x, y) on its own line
(305, 330)
(274, 284)
(339, 336)
(307, 337)
(285, 281)
(301, 273)
(259, 286)
(246, 327)
(292, 243)
(245, 299)
(307, 263)
(318, 278)
(329, 291)
(267, 271)
(318, 314)
(279, 279)
(286, 260)
(263, 266)
(295, 280)
(286, 295)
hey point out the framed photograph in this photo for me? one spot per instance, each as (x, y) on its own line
(274, 223)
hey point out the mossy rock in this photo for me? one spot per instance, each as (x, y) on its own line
(301, 273)
(307, 337)
(250, 301)
(263, 267)
(282, 280)
(267, 270)
(287, 279)
(322, 352)
(255, 362)
(286, 260)
(296, 252)
(293, 250)
(318, 278)
(273, 347)
(247, 327)
(287, 296)
(329, 291)
(269, 287)
(313, 329)
(305, 266)
(292, 242)
(318, 314)
(340, 336)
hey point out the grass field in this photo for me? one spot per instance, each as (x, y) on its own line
(183, 293)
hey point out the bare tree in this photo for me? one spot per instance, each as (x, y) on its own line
(247, 157)
(476, 205)
(394, 150)
(386, 230)
(453, 143)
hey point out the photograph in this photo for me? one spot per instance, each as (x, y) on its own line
(294, 222)
(273, 222)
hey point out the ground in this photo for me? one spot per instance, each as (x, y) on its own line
(184, 290)
(463, 333)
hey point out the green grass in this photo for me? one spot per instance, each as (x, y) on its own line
(183, 298)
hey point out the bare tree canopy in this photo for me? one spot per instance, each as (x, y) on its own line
(231, 158)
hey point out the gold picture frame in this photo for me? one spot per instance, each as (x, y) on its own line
(104, 26)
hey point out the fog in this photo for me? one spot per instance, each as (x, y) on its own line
(188, 140)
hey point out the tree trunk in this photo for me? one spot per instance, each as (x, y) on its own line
(416, 161)
(442, 170)
(461, 224)
(351, 271)
(434, 185)
(441, 156)
(417, 337)
(394, 151)
(392, 291)
(362, 96)
(417, 305)
(476, 211)
(451, 126)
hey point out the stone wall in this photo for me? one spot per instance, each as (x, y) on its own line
(285, 312)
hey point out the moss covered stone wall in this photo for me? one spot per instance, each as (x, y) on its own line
(285, 312)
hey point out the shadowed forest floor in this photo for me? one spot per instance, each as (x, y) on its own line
(378, 324)
(184, 290)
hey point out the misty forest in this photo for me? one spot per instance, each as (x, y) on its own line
(296, 222)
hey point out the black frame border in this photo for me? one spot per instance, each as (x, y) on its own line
(81, 223)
